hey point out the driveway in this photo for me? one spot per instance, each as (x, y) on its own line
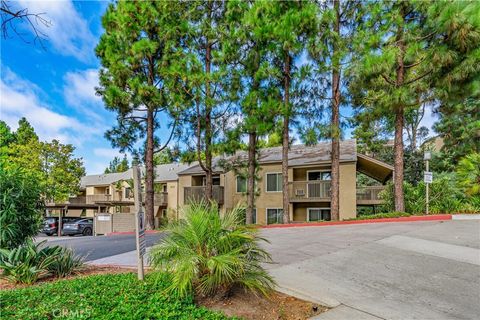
(102, 247)
(417, 270)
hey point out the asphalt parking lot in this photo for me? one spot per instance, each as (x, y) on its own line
(94, 248)
(408, 270)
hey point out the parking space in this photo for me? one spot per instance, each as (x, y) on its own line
(419, 270)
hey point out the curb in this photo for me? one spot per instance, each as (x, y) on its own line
(469, 216)
(131, 232)
(438, 217)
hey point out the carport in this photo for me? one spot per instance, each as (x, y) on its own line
(63, 209)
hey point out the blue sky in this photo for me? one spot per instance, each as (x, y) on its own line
(54, 87)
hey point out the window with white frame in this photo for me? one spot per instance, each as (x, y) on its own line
(274, 182)
(318, 214)
(241, 184)
(274, 215)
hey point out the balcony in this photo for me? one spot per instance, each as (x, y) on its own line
(369, 195)
(159, 198)
(308, 191)
(94, 198)
(197, 194)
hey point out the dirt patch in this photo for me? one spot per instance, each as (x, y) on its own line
(87, 271)
(276, 306)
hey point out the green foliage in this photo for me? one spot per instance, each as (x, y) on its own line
(28, 262)
(381, 216)
(208, 254)
(445, 197)
(117, 165)
(468, 173)
(118, 296)
(20, 205)
(51, 164)
(65, 263)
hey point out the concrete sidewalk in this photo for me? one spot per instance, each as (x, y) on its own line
(127, 260)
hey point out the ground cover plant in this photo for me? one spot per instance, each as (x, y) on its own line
(118, 296)
(31, 261)
(210, 254)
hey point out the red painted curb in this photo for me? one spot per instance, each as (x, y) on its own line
(438, 217)
(130, 232)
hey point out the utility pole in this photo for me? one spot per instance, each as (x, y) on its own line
(139, 220)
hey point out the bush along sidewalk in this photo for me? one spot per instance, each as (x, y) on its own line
(29, 262)
(119, 296)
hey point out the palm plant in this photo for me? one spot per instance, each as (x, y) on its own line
(209, 253)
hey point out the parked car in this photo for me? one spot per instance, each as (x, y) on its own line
(50, 224)
(82, 226)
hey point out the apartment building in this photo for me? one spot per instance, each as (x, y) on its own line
(109, 197)
(309, 173)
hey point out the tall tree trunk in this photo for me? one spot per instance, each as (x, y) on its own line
(285, 137)
(208, 126)
(252, 151)
(335, 126)
(149, 193)
(399, 120)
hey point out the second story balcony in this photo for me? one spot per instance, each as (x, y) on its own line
(159, 198)
(197, 193)
(318, 190)
(369, 195)
(94, 198)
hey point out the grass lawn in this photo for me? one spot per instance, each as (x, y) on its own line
(111, 296)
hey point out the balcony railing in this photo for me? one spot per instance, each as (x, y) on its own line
(197, 193)
(369, 194)
(309, 190)
(77, 200)
(93, 198)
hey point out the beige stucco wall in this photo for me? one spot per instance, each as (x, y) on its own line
(348, 191)
(264, 199)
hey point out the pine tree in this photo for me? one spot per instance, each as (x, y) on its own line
(288, 26)
(138, 51)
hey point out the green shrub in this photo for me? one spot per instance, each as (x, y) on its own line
(28, 262)
(445, 197)
(468, 174)
(119, 296)
(20, 206)
(382, 216)
(65, 263)
(209, 254)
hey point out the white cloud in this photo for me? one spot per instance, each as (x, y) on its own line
(20, 98)
(69, 33)
(107, 153)
(79, 92)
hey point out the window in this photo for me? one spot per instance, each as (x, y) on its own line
(254, 217)
(317, 214)
(274, 215)
(274, 182)
(319, 175)
(241, 184)
(128, 193)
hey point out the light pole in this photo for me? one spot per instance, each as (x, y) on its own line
(427, 177)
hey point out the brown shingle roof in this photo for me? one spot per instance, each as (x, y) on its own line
(298, 155)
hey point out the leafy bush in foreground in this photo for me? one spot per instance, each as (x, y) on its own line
(28, 262)
(65, 263)
(209, 254)
(20, 206)
(119, 296)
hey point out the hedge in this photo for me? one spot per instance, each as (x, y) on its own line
(118, 296)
